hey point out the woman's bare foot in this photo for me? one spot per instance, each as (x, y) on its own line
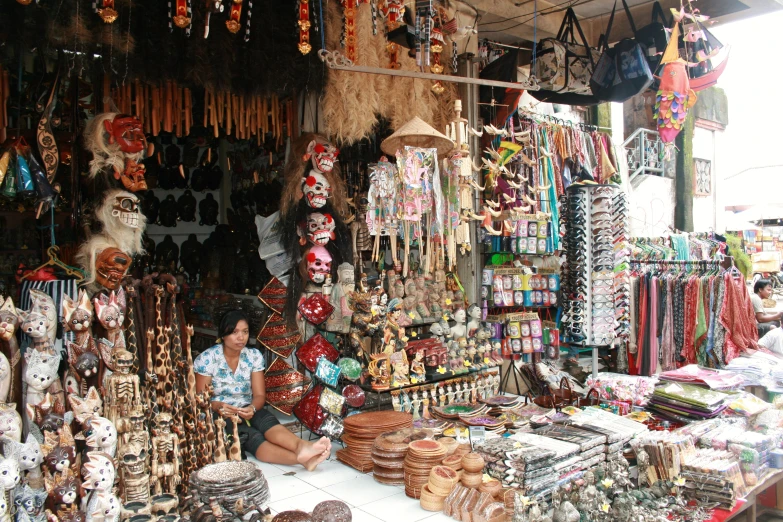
(310, 454)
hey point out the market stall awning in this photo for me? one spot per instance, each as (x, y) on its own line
(734, 224)
(761, 212)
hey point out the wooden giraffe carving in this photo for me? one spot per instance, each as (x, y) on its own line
(235, 453)
(150, 380)
(207, 431)
(189, 409)
(131, 339)
(162, 361)
(220, 447)
(177, 376)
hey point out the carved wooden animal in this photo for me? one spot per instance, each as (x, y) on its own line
(35, 325)
(220, 446)
(40, 375)
(84, 408)
(60, 452)
(63, 491)
(78, 317)
(9, 321)
(150, 380)
(110, 311)
(163, 367)
(189, 408)
(235, 453)
(44, 304)
(29, 456)
(47, 415)
(131, 341)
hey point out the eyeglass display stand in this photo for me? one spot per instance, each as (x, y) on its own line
(584, 211)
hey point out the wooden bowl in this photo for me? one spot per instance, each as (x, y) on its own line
(473, 463)
(430, 501)
(443, 477)
(493, 487)
(453, 461)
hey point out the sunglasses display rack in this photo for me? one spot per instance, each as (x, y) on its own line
(596, 280)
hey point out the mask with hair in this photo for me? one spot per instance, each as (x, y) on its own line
(117, 144)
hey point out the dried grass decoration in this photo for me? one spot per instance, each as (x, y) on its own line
(417, 133)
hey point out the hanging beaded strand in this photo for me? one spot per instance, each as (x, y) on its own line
(247, 23)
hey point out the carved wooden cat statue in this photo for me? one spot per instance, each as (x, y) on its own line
(5, 516)
(5, 378)
(29, 504)
(78, 319)
(10, 474)
(40, 374)
(10, 422)
(49, 415)
(42, 303)
(29, 456)
(100, 504)
(85, 408)
(63, 491)
(100, 435)
(60, 452)
(110, 311)
(35, 325)
(9, 321)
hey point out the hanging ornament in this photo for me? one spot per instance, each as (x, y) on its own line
(304, 27)
(213, 6)
(234, 16)
(24, 181)
(674, 96)
(436, 45)
(105, 9)
(182, 14)
(394, 12)
(47, 147)
(423, 31)
(349, 28)
(247, 23)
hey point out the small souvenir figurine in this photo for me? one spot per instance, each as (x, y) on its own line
(78, 319)
(418, 371)
(40, 374)
(134, 473)
(35, 326)
(9, 320)
(363, 324)
(29, 456)
(459, 329)
(436, 330)
(59, 451)
(48, 416)
(99, 474)
(29, 504)
(63, 491)
(118, 146)
(165, 457)
(409, 309)
(84, 408)
(100, 434)
(433, 299)
(473, 356)
(122, 388)
(110, 311)
(474, 319)
(379, 371)
(455, 363)
(393, 333)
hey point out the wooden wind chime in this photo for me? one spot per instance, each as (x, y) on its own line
(163, 107)
(245, 117)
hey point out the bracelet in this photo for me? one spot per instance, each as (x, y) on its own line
(254, 408)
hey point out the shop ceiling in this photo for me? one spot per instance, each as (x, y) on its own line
(511, 21)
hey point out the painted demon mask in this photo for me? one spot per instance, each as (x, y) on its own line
(320, 228)
(322, 155)
(132, 178)
(127, 132)
(319, 264)
(127, 210)
(111, 265)
(316, 189)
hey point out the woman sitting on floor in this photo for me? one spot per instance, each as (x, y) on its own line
(237, 377)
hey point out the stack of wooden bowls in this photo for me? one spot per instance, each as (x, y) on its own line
(472, 470)
(360, 432)
(441, 481)
(422, 456)
(388, 453)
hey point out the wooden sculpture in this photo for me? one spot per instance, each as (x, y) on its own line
(29, 456)
(99, 474)
(150, 381)
(131, 341)
(235, 453)
(122, 389)
(63, 492)
(189, 407)
(41, 375)
(165, 473)
(163, 367)
(220, 447)
(110, 311)
(84, 408)
(9, 320)
(10, 475)
(100, 434)
(134, 473)
(48, 416)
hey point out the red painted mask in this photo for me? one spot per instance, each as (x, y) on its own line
(126, 131)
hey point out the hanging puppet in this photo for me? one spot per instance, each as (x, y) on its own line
(312, 210)
(107, 254)
(118, 147)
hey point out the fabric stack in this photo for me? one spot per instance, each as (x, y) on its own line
(758, 369)
(518, 464)
(592, 446)
(713, 379)
(617, 430)
(562, 467)
(686, 402)
(422, 456)
(360, 432)
(388, 454)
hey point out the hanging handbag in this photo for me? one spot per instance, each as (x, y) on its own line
(622, 72)
(562, 64)
(652, 36)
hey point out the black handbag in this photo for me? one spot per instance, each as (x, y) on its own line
(622, 72)
(653, 35)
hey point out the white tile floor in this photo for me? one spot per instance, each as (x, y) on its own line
(292, 487)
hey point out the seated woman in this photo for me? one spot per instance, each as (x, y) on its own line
(237, 378)
(765, 322)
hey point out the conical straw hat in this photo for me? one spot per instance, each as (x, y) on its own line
(417, 133)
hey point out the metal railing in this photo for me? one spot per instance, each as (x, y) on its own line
(644, 153)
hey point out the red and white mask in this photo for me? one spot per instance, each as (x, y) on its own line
(319, 264)
(316, 189)
(320, 228)
(323, 156)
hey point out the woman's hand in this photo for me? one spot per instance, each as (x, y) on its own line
(246, 413)
(224, 409)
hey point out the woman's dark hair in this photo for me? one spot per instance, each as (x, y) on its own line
(229, 321)
(761, 283)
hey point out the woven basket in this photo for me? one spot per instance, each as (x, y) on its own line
(417, 133)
